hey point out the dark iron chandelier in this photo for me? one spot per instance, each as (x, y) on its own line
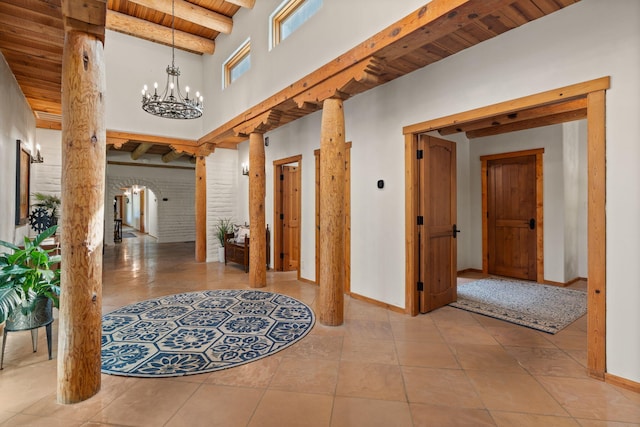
(171, 104)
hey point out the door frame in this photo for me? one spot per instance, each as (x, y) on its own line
(277, 203)
(594, 93)
(539, 207)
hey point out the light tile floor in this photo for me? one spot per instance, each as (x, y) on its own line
(380, 368)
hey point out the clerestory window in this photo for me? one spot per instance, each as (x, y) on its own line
(238, 63)
(289, 16)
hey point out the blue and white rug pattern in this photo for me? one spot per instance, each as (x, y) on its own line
(537, 306)
(198, 332)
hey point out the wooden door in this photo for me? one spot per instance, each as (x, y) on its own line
(437, 252)
(511, 217)
(142, 212)
(290, 218)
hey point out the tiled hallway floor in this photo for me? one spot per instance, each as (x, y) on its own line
(447, 368)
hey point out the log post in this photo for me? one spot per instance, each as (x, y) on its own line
(201, 208)
(332, 176)
(82, 228)
(257, 221)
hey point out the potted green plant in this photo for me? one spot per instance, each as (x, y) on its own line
(29, 286)
(224, 226)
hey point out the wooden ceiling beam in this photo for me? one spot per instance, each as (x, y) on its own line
(87, 16)
(140, 150)
(243, 3)
(136, 27)
(519, 116)
(171, 156)
(552, 119)
(116, 143)
(336, 86)
(156, 139)
(192, 13)
(191, 150)
(261, 124)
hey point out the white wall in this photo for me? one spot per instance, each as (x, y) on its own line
(16, 122)
(46, 176)
(176, 215)
(585, 41)
(223, 175)
(152, 213)
(130, 64)
(575, 197)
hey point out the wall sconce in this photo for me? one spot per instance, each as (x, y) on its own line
(245, 169)
(37, 158)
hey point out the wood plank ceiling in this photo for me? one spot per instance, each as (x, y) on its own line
(31, 40)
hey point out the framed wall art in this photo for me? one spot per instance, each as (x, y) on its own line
(23, 172)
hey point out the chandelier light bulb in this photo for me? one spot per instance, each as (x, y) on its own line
(155, 85)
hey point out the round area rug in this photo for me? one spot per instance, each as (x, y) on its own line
(198, 332)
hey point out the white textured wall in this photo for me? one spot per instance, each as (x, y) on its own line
(152, 213)
(16, 122)
(222, 194)
(176, 215)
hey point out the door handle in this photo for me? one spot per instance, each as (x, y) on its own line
(532, 224)
(455, 231)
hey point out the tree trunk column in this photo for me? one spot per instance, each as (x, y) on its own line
(201, 208)
(82, 228)
(257, 222)
(332, 176)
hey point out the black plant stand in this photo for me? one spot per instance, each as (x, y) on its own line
(41, 315)
(117, 230)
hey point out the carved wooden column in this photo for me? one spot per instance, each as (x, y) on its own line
(257, 221)
(201, 208)
(332, 176)
(83, 181)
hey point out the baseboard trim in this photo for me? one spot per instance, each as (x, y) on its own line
(311, 282)
(378, 303)
(622, 382)
(564, 284)
(469, 270)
